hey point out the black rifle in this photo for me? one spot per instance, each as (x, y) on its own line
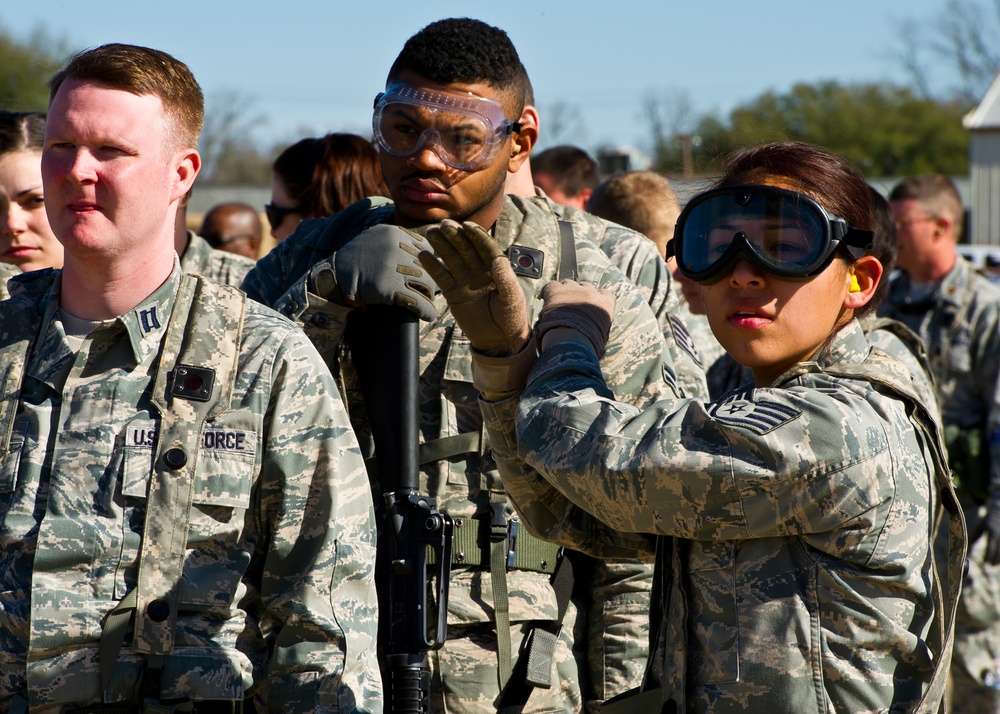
(384, 350)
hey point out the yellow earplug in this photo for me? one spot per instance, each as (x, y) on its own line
(855, 288)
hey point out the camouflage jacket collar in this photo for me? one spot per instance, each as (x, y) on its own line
(144, 325)
(848, 346)
(197, 256)
(522, 219)
(146, 322)
(949, 292)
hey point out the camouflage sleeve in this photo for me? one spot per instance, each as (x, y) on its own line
(269, 279)
(639, 260)
(766, 462)
(317, 549)
(543, 508)
(280, 280)
(636, 364)
(282, 269)
(617, 627)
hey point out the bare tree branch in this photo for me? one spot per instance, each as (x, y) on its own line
(963, 37)
(910, 58)
(227, 133)
(561, 123)
(670, 117)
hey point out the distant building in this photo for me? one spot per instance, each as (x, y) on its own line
(613, 160)
(983, 124)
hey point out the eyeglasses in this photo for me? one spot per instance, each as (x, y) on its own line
(276, 214)
(464, 130)
(784, 233)
(900, 225)
(217, 241)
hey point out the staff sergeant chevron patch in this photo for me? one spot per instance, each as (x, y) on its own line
(683, 338)
(759, 416)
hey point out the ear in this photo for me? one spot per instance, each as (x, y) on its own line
(187, 164)
(943, 226)
(867, 270)
(523, 141)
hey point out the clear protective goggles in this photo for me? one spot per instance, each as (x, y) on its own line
(465, 130)
(784, 233)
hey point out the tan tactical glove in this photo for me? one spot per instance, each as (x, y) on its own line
(477, 280)
(579, 306)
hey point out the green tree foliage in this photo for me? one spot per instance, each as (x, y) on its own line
(25, 67)
(885, 130)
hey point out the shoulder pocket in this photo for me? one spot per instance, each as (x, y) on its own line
(225, 467)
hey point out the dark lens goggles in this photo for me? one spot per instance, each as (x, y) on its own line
(784, 233)
(276, 214)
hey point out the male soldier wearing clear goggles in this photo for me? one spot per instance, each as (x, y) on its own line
(465, 131)
(447, 135)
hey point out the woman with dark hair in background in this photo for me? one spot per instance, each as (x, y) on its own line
(26, 240)
(319, 177)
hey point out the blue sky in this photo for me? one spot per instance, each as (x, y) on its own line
(310, 66)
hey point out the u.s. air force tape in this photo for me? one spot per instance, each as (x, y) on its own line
(213, 439)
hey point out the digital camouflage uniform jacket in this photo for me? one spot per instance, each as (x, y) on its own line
(805, 584)
(464, 484)
(7, 271)
(220, 266)
(960, 326)
(640, 260)
(277, 589)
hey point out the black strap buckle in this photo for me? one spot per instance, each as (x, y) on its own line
(498, 522)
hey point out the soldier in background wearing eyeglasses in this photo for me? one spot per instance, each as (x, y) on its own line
(956, 311)
(233, 227)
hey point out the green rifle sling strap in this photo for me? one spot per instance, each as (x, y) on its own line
(540, 641)
(498, 580)
(567, 252)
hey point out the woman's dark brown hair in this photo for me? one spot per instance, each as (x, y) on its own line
(326, 175)
(21, 131)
